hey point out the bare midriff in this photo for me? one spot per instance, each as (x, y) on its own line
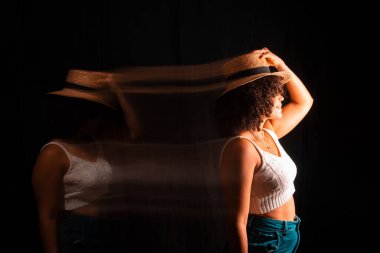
(286, 212)
(88, 210)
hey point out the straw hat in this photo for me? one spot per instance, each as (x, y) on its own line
(88, 85)
(248, 68)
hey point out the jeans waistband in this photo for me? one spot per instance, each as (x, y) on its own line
(260, 221)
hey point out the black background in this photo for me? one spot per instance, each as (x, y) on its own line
(331, 48)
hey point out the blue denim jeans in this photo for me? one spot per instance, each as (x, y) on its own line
(269, 235)
(79, 233)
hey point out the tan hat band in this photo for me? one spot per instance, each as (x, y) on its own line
(250, 72)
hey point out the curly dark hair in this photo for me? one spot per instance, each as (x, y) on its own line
(244, 107)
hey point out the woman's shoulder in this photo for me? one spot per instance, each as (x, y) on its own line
(53, 155)
(240, 141)
(55, 145)
(240, 154)
(239, 147)
(55, 149)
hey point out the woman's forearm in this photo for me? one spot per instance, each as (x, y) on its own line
(49, 234)
(298, 93)
(238, 238)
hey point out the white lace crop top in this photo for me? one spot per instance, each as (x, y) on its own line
(273, 182)
(84, 181)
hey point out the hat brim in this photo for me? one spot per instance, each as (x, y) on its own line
(97, 96)
(283, 75)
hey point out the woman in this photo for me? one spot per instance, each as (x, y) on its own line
(71, 174)
(255, 173)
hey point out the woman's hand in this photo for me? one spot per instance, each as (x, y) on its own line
(272, 59)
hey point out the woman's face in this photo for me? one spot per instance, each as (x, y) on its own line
(277, 107)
